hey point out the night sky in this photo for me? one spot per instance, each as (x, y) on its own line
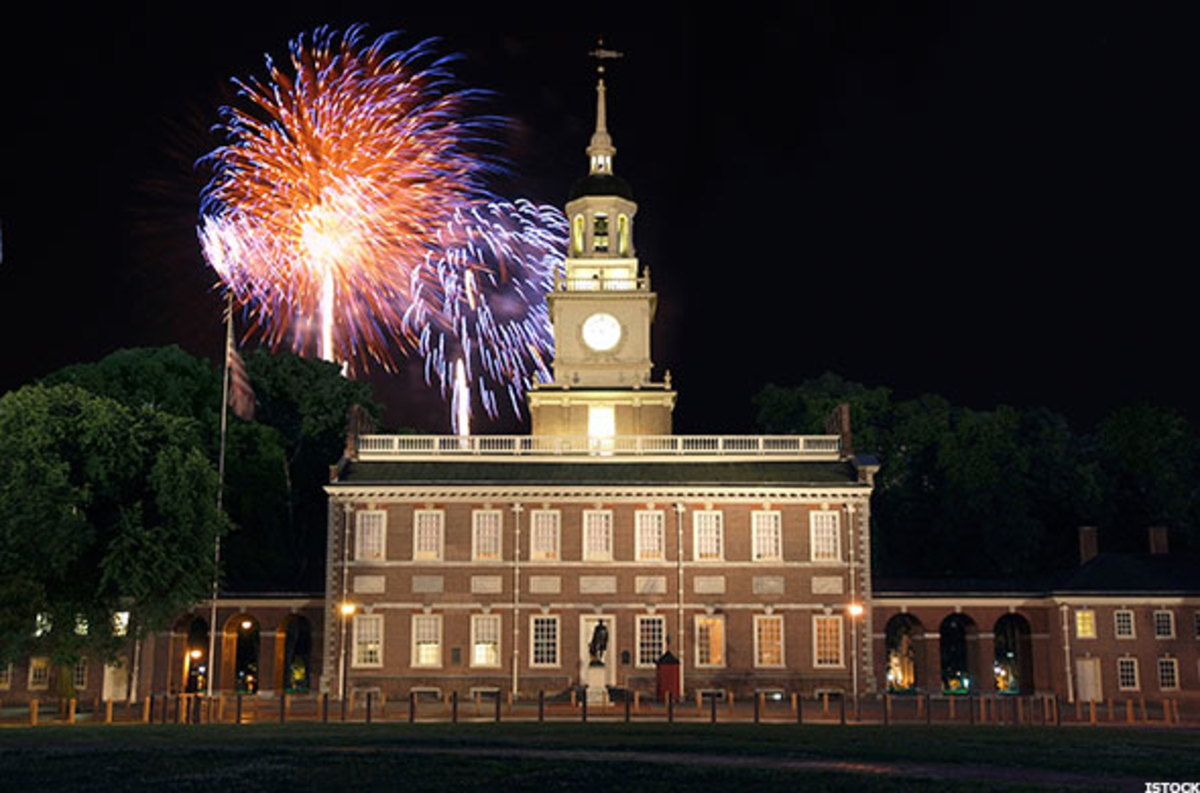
(994, 202)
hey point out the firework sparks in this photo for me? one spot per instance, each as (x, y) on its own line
(349, 214)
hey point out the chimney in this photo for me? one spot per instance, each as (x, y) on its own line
(1089, 543)
(1158, 539)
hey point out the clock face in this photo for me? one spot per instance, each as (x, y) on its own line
(601, 332)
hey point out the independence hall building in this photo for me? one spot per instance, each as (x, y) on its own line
(601, 551)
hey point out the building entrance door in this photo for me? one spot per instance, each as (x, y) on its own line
(1087, 680)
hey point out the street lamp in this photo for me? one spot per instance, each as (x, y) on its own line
(856, 611)
(347, 610)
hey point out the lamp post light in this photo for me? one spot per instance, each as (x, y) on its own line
(856, 611)
(347, 610)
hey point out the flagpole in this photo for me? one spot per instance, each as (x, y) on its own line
(212, 623)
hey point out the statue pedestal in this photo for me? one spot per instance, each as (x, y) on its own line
(596, 681)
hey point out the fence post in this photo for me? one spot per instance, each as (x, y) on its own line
(713, 706)
(887, 709)
(454, 707)
(628, 702)
(842, 699)
(670, 707)
(33, 712)
(412, 706)
(583, 707)
(798, 703)
(757, 700)
(71, 710)
(108, 707)
(971, 707)
(928, 709)
(497, 706)
(238, 711)
(541, 705)
(370, 696)
(283, 708)
(325, 707)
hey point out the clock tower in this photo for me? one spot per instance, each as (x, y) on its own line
(601, 311)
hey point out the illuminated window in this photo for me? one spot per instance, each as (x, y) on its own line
(6, 676)
(600, 233)
(825, 534)
(81, 625)
(369, 534)
(768, 640)
(708, 536)
(368, 640)
(602, 427)
(427, 534)
(544, 535)
(1164, 625)
(1168, 673)
(767, 528)
(577, 234)
(427, 640)
(79, 674)
(1085, 624)
(597, 535)
(710, 641)
(650, 535)
(1123, 624)
(486, 525)
(623, 235)
(827, 641)
(121, 623)
(485, 640)
(41, 625)
(543, 641)
(39, 674)
(651, 639)
(1127, 674)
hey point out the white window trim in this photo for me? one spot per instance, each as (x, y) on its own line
(1158, 665)
(817, 663)
(476, 619)
(637, 650)
(1137, 676)
(1095, 626)
(587, 553)
(533, 663)
(639, 552)
(441, 528)
(758, 619)
(358, 621)
(414, 656)
(696, 620)
(757, 529)
(477, 517)
(43, 663)
(719, 516)
(813, 521)
(1154, 619)
(543, 556)
(360, 518)
(1132, 625)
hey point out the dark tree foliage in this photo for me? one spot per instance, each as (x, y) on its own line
(103, 509)
(965, 492)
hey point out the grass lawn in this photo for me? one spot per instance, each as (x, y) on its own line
(594, 756)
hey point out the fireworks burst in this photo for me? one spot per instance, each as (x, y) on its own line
(349, 214)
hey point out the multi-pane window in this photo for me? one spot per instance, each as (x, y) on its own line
(485, 640)
(39, 673)
(1168, 673)
(544, 535)
(427, 534)
(486, 525)
(597, 535)
(767, 530)
(825, 535)
(768, 640)
(1085, 624)
(1127, 674)
(651, 639)
(827, 641)
(79, 674)
(6, 676)
(1123, 624)
(710, 641)
(708, 536)
(543, 640)
(368, 640)
(369, 533)
(1164, 625)
(650, 535)
(427, 640)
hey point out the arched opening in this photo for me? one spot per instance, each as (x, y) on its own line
(958, 641)
(623, 234)
(903, 653)
(1013, 666)
(577, 234)
(195, 655)
(294, 655)
(241, 653)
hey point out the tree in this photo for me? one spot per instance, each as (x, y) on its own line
(103, 509)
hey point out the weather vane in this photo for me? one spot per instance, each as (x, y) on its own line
(601, 55)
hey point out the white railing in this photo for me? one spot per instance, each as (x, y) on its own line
(598, 284)
(396, 447)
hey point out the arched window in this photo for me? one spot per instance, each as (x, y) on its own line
(600, 233)
(904, 644)
(623, 235)
(577, 234)
(958, 637)
(1013, 665)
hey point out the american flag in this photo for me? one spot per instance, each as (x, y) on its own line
(241, 394)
